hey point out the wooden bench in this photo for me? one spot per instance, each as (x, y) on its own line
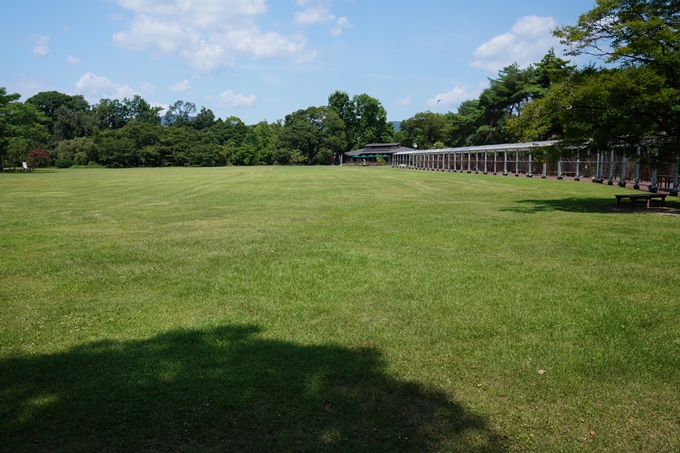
(640, 196)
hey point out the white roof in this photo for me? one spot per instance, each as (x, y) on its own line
(501, 147)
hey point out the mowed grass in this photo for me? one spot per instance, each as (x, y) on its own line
(340, 309)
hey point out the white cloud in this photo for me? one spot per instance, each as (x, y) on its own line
(95, 87)
(147, 88)
(206, 34)
(158, 104)
(26, 85)
(41, 45)
(230, 100)
(271, 79)
(180, 87)
(319, 12)
(404, 102)
(73, 60)
(203, 14)
(312, 16)
(529, 39)
(452, 98)
(341, 24)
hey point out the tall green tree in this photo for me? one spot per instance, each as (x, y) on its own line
(317, 133)
(364, 117)
(180, 113)
(642, 38)
(51, 102)
(22, 127)
(69, 124)
(138, 109)
(423, 129)
(114, 114)
(232, 131)
(486, 120)
(203, 120)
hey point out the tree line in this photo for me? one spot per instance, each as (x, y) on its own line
(53, 127)
(631, 104)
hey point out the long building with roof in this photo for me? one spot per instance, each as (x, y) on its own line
(519, 159)
(384, 150)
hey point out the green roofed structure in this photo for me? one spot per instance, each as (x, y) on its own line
(384, 150)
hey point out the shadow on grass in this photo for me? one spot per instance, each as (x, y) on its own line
(225, 390)
(597, 205)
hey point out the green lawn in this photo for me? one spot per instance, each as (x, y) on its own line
(334, 308)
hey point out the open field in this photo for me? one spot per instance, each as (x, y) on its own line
(325, 308)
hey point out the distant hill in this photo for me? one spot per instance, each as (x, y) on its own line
(397, 125)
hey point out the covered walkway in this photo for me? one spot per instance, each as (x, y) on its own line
(518, 159)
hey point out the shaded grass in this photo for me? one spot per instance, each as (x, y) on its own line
(457, 287)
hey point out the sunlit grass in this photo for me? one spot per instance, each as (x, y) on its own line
(464, 286)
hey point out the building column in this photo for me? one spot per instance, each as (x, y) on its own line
(622, 181)
(674, 192)
(517, 163)
(468, 170)
(495, 158)
(637, 171)
(530, 174)
(578, 164)
(486, 172)
(545, 171)
(654, 188)
(559, 169)
(611, 169)
(505, 163)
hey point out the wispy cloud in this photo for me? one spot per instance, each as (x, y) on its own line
(165, 107)
(528, 40)
(73, 60)
(41, 45)
(95, 87)
(180, 87)
(230, 100)
(452, 98)
(206, 34)
(319, 12)
(404, 102)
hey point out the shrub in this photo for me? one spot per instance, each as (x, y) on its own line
(38, 158)
(79, 150)
(282, 156)
(63, 162)
(80, 158)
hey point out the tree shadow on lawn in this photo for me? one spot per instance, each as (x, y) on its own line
(597, 205)
(225, 390)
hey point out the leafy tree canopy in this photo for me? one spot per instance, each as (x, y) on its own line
(364, 117)
(21, 128)
(635, 103)
(317, 133)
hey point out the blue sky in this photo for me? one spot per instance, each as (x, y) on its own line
(262, 59)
